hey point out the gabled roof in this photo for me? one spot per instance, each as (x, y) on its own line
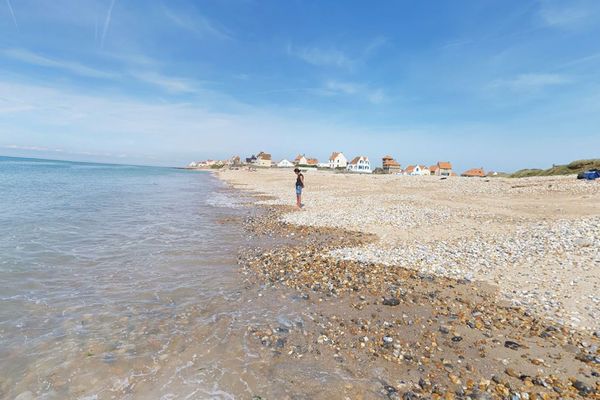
(356, 159)
(388, 161)
(444, 165)
(312, 161)
(334, 155)
(298, 157)
(264, 156)
(433, 168)
(410, 169)
(474, 172)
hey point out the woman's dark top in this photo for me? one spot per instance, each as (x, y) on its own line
(299, 181)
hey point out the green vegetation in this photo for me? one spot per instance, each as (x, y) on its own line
(574, 167)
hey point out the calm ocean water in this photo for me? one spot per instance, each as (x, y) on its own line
(121, 282)
(106, 272)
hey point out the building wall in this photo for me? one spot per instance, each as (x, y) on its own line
(339, 162)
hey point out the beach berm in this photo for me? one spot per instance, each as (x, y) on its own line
(407, 307)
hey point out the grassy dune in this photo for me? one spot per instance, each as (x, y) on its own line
(574, 167)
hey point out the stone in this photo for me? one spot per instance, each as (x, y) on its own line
(509, 344)
(392, 301)
(25, 396)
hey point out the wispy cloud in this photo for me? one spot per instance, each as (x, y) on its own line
(526, 82)
(336, 88)
(197, 24)
(375, 44)
(107, 23)
(568, 15)
(12, 13)
(322, 57)
(170, 84)
(28, 57)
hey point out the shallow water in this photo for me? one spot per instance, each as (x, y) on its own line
(121, 282)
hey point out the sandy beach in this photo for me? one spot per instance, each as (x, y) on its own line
(421, 287)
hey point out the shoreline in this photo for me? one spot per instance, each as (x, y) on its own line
(536, 241)
(384, 316)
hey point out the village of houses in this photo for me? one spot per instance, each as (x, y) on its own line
(338, 162)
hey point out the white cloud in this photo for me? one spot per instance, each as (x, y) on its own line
(28, 57)
(197, 24)
(322, 57)
(335, 88)
(568, 14)
(170, 84)
(531, 81)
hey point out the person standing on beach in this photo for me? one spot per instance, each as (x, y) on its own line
(299, 187)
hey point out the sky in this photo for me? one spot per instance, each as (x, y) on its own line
(502, 84)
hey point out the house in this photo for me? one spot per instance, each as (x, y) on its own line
(264, 160)
(433, 169)
(300, 160)
(251, 160)
(235, 160)
(359, 164)
(337, 160)
(417, 170)
(390, 166)
(285, 164)
(312, 162)
(474, 172)
(444, 168)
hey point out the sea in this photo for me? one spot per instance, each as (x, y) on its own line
(121, 282)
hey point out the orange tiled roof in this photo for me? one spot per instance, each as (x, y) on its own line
(312, 161)
(264, 156)
(334, 155)
(433, 168)
(474, 172)
(410, 169)
(388, 161)
(444, 165)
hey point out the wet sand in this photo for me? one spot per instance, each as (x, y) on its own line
(402, 333)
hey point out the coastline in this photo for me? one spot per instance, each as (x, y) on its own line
(442, 335)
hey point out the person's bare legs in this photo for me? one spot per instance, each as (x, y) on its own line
(299, 200)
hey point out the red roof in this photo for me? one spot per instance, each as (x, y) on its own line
(474, 172)
(444, 165)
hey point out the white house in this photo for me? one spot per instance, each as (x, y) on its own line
(300, 160)
(264, 160)
(284, 164)
(359, 164)
(337, 160)
(417, 170)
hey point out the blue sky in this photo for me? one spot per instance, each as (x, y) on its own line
(499, 84)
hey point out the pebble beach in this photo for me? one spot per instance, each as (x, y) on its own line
(537, 239)
(455, 288)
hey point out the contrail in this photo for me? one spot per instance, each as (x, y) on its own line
(12, 13)
(107, 23)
